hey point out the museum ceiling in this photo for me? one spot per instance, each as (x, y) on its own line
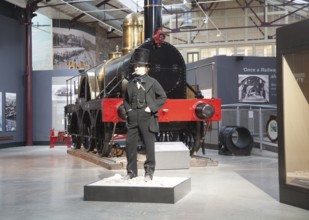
(110, 13)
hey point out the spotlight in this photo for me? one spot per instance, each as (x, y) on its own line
(205, 20)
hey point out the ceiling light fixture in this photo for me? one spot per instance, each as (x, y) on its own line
(219, 34)
(205, 20)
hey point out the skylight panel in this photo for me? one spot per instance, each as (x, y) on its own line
(134, 5)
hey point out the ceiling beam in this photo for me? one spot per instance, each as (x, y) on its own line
(248, 4)
(288, 14)
(83, 14)
(210, 9)
(226, 28)
(107, 26)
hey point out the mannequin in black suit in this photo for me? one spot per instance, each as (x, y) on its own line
(144, 97)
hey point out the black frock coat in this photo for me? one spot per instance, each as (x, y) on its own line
(155, 99)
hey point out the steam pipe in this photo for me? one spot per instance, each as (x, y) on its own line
(153, 17)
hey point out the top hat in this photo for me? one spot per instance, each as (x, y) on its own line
(141, 56)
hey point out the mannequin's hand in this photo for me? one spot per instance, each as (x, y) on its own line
(147, 109)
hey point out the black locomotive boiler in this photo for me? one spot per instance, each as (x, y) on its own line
(97, 114)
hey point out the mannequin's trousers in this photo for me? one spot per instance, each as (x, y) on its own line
(138, 128)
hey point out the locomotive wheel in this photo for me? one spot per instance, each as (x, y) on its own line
(99, 134)
(166, 136)
(173, 136)
(106, 149)
(106, 146)
(99, 146)
(103, 148)
(76, 142)
(88, 141)
(197, 133)
(73, 129)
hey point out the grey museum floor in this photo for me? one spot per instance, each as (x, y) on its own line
(42, 183)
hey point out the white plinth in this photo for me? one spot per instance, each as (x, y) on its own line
(172, 155)
(159, 190)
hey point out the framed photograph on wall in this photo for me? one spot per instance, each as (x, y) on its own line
(61, 94)
(73, 49)
(253, 88)
(10, 111)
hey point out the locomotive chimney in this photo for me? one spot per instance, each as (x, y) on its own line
(153, 17)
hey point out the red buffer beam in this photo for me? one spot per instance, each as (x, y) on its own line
(174, 110)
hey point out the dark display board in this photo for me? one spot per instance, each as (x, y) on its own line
(236, 79)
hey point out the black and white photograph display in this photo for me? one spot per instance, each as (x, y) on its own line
(42, 43)
(73, 49)
(253, 88)
(10, 111)
(61, 94)
(0, 111)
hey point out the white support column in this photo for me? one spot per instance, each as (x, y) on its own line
(266, 20)
(261, 128)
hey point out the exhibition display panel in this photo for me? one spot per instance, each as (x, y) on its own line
(296, 117)
(293, 113)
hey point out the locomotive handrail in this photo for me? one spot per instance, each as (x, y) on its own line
(103, 91)
(120, 81)
(212, 74)
(191, 88)
(73, 77)
(206, 64)
(237, 105)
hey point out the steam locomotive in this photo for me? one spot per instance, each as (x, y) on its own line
(98, 113)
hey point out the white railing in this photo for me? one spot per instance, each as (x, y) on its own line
(253, 117)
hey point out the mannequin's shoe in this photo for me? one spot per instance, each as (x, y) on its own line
(129, 176)
(147, 178)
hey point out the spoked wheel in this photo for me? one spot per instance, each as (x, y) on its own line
(76, 142)
(88, 137)
(103, 147)
(167, 136)
(174, 136)
(99, 146)
(88, 141)
(74, 130)
(106, 149)
(197, 133)
(99, 134)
